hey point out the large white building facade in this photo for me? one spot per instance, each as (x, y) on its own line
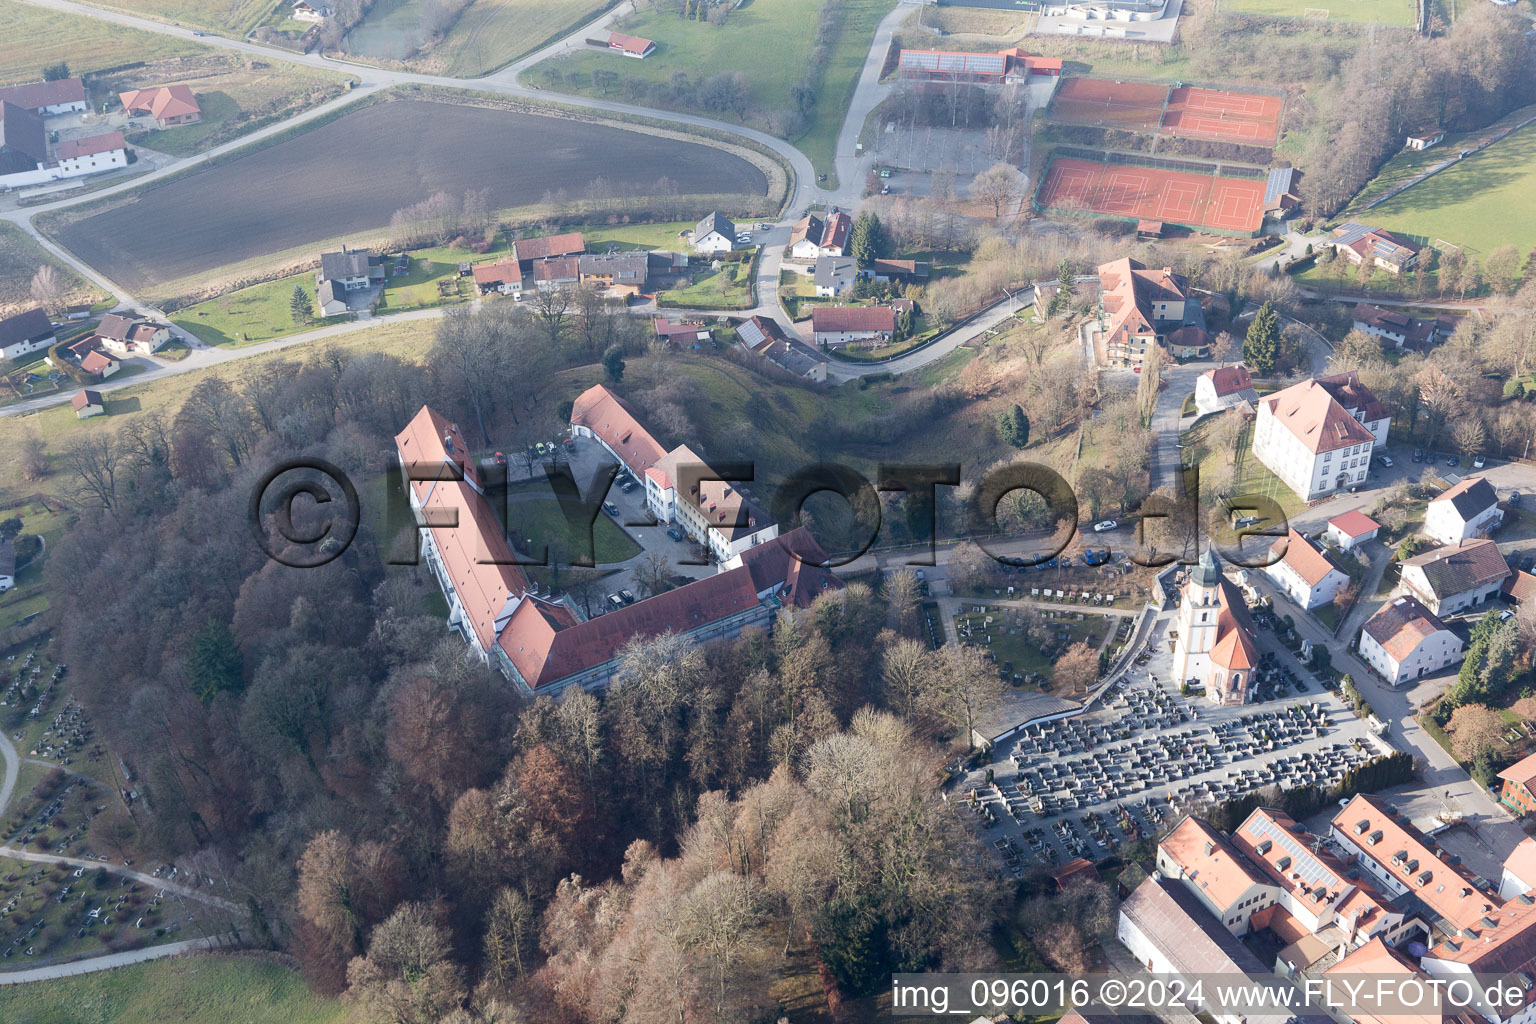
(1318, 436)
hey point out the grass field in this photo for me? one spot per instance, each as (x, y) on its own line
(20, 257)
(196, 990)
(1482, 202)
(1380, 12)
(699, 50)
(35, 37)
(250, 315)
(726, 288)
(489, 35)
(534, 515)
(236, 17)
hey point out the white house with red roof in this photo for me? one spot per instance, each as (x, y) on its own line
(1405, 641)
(1466, 511)
(1351, 529)
(1140, 307)
(1317, 436)
(1224, 388)
(60, 96)
(631, 46)
(679, 484)
(1308, 576)
(1215, 646)
(1519, 874)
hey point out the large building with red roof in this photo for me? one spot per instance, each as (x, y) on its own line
(1141, 307)
(540, 643)
(1405, 641)
(679, 484)
(1317, 436)
(1215, 647)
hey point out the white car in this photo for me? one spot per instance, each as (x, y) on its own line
(1479, 462)
(743, 239)
(1107, 524)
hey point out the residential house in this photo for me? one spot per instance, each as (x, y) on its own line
(1455, 578)
(1362, 243)
(1140, 307)
(814, 236)
(1518, 876)
(91, 155)
(852, 325)
(169, 105)
(25, 333)
(1308, 576)
(678, 487)
(1224, 388)
(1351, 529)
(87, 403)
(306, 11)
(714, 234)
(619, 273)
(504, 277)
(1400, 331)
(631, 46)
(680, 333)
(1215, 647)
(898, 271)
(557, 272)
(526, 251)
(543, 645)
(131, 335)
(1405, 641)
(7, 565)
(61, 96)
(1467, 510)
(1317, 436)
(834, 275)
(764, 338)
(1519, 786)
(100, 363)
(1425, 138)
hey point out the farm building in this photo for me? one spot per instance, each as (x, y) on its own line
(23, 146)
(169, 104)
(847, 325)
(679, 333)
(631, 46)
(526, 250)
(92, 154)
(1455, 578)
(63, 96)
(764, 338)
(306, 11)
(1425, 138)
(26, 332)
(7, 565)
(896, 270)
(618, 272)
(504, 276)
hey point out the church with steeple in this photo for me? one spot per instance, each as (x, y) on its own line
(1215, 646)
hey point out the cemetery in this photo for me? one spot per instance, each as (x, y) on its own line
(1024, 639)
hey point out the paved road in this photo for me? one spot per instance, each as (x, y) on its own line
(852, 167)
(111, 960)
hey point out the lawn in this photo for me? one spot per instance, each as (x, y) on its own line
(489, 35)
(1482, 202)
(726, 288)
(1253, 476)
(534, 515)
(194, 990)
(249, 315)
(35, 37)
(699, 51)
(1406, 163)
(27, 598)
(1380, 12)
(20, 257)
(237, 17)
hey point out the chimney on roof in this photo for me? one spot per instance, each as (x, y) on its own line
(448, 441)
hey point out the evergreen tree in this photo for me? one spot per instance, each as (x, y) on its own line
(214, 663)
(299, 305)
(1262, 345)
(867, 239)
(1013, 427)
(613, 363)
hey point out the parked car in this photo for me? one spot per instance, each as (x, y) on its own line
(674, 533)
(1514, 498)
(1479, 462)
(615, 602)
(1107, 524)
(1418, 455)
(1454, 460)
(626, 596)
(610, 508)
(1385, 460)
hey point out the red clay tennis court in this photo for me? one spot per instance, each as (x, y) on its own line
(1186, 111)
(1233, 205)
(1241, 117)
(1102, 101)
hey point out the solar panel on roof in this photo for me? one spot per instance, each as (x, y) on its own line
(1279, 183)
(1312, 871)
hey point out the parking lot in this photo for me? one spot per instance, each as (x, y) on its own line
(1145, 755)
